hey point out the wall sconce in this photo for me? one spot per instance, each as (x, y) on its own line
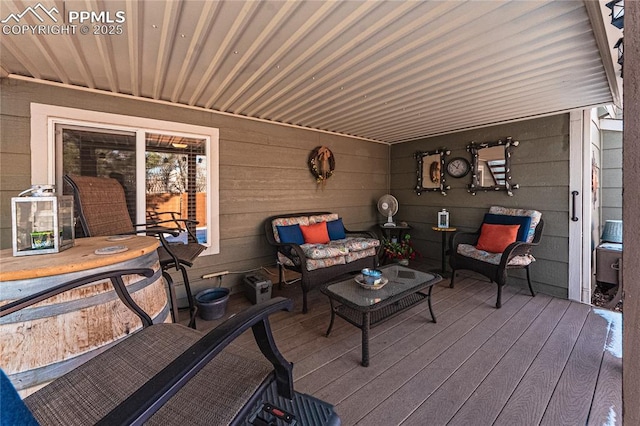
(620, 46)
(617, 13)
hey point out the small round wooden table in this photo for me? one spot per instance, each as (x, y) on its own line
(51, 338)
(444, 232)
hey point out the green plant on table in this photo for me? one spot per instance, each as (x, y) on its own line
(401, 249)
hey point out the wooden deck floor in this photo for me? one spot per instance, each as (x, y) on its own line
(537, 360)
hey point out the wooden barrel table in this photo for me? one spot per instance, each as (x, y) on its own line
(45, 341)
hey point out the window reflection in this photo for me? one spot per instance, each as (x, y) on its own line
(491, 167)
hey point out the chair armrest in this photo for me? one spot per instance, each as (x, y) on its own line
(518, 248)
(116, 280)
(143, 403)
(287, 248)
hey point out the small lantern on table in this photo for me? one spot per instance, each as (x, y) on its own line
(42, 222)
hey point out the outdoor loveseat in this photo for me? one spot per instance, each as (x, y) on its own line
(319, 247)
(168, 374)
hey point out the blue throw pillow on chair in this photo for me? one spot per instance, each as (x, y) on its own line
(13, 411)
(336, 230)
(290, 234)
(503, 219)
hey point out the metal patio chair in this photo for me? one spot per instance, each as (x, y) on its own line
(101, 208)
(168, 374)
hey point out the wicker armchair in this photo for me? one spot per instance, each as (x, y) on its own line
(168, 374)
(101, 207)
(495, 265)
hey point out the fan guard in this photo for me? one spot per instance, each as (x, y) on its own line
(388, 206)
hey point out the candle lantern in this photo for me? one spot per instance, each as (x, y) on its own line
(42, 222)
(443, 219)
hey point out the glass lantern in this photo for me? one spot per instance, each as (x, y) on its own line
(443, 219)
(42, 222)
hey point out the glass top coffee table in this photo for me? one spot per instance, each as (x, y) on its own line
(365, 308)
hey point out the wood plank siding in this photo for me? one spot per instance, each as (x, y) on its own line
(263, 171)
(540, 165)
(537, 360)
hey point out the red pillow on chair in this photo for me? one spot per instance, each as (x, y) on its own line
(496, 238)
(316, 233)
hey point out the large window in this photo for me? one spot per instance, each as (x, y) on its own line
(161, 170)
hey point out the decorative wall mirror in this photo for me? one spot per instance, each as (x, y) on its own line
(431, 171)
(491, 166)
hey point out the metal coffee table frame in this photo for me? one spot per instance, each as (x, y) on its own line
(365, 308)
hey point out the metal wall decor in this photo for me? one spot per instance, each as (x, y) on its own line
(430, 172)
(491, 166)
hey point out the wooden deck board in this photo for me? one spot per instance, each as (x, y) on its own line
(487, 401)
(367, 398)
(536, 360)
(530, 399)
(352, 376)
(443, 404)
(401, 404)
(607, 400)
(572, 398)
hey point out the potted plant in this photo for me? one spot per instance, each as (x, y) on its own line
(399, 251)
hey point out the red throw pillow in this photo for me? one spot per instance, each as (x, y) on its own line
(496, 238)
(316, 233)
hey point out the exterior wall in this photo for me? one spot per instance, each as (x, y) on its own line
(540, 165)
(263, 171)
(611, 175)
(631, 182)
(596, 182)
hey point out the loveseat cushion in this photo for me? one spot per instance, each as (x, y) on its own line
(315, 233)
(312, 264)
(284, 221)
(359, 243)
(324, 251)
(290, 234)
(360, 254)
(323, 218)
(494, 258)
(336, 229)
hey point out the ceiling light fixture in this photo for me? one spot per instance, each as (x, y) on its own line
(180, 145)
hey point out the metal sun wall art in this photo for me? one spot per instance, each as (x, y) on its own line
(430, 171)
(491, 166)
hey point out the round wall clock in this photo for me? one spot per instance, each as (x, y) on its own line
(458, 167)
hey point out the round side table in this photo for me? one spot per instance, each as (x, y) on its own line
(444, 231)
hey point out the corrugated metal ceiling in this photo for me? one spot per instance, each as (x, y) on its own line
(383, 70)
